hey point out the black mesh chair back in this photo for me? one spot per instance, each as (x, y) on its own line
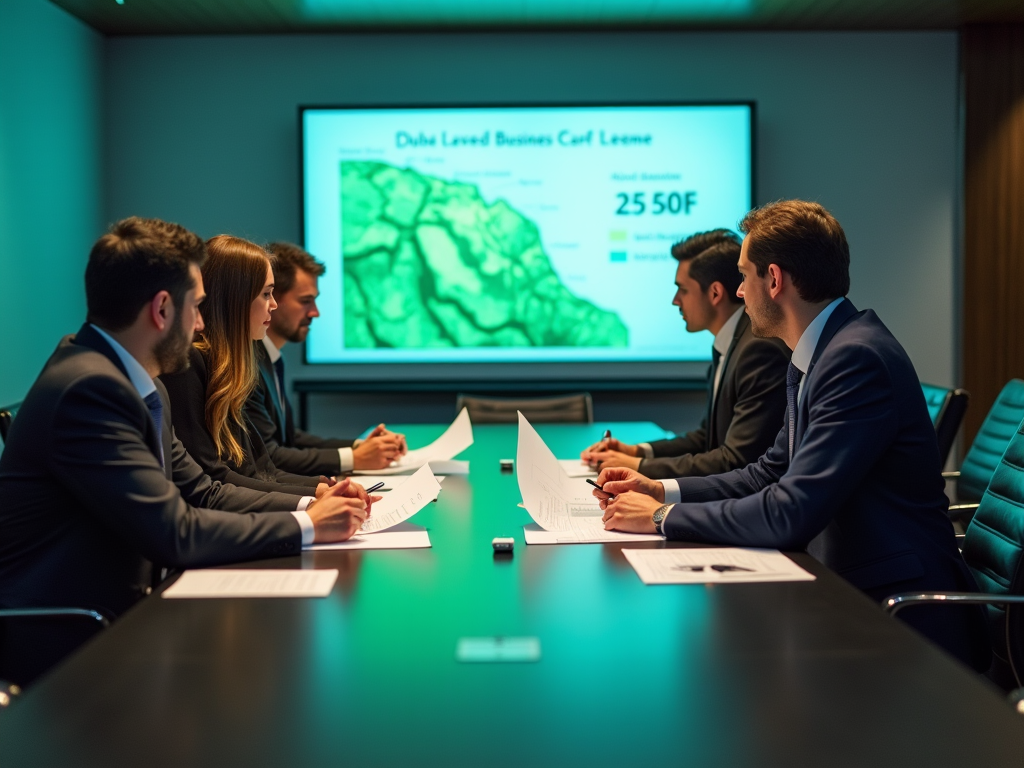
(566, 409)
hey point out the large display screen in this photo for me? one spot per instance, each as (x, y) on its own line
(513, 234)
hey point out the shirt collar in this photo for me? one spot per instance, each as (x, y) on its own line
(138, 376)
(809, 339)
(272, 349)
(724, 336)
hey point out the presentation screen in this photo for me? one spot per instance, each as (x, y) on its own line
(513, 234)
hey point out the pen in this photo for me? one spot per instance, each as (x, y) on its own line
(375, 487)
(610, 495)
(607, 435)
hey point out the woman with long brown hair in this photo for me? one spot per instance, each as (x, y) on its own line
(207, 400)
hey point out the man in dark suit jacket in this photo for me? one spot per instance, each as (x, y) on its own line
(854, 476)
(746, 382)
(96, 493)
(268, 410)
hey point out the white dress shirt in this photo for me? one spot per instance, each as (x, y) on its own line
(345, 455)
(723, 340)
(801, 359)
(144, 385)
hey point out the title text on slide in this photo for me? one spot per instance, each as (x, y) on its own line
(564, 138)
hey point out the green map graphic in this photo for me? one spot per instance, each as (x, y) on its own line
(428, 263)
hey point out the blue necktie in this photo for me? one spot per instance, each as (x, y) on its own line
(716, 360)
(793, 376)
(156, 410)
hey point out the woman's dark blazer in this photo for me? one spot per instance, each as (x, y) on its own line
(187, 391)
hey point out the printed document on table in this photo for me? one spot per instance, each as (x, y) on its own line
(713, 566)
(401, 536)
(559, 504)
(457, 438)
(234, 582)
(576, 468)
(402, 503)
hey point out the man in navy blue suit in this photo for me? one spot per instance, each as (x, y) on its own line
(854, 476)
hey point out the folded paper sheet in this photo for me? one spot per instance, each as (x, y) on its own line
(238, 582)
(403, 502)
(713, 566)
(457, 438)
(559, 504)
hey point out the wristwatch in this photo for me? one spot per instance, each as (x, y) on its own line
(659, 516)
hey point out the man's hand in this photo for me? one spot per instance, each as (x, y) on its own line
(337, 516)
(611, 444)
(379, 449)
(631, 512)
(321, 489)
(608, 459)
(357, 491)
(618, 480)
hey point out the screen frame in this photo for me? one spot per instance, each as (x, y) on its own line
(650, 371)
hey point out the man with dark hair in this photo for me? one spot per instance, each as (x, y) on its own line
(746, 381)
(268, 409)
(96, 492)
(854, 476)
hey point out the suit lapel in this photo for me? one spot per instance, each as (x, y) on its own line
(270, 383)
(87, 337)
(839, 317)
(712, 430)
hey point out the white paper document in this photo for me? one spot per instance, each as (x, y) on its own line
(401, 536)
(232, 582)
(457, 438)
(403, 502)
(559, 504)
(576, 468)
(390, 481)
(713, 566)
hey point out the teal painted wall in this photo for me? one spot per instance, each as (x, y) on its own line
(865, 123)
(51, 184)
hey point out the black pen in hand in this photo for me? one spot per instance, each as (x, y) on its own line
(610, 495)
(375, 487)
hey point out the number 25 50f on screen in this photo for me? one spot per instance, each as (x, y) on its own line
(659, 203)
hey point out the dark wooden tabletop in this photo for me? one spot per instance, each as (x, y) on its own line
(797, 674)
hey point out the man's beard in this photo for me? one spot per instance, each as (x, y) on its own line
(766, 317)
(299, 334)
(171, 352)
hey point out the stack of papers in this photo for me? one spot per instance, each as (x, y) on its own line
(236, 582)
(439, 454)
(401, 536)
(713, 566)
(563, 508)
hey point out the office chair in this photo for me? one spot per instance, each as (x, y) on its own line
(980, 462)
(992, 548)
(572, 409)
(947, 408)
(6, 418)
(8, 690)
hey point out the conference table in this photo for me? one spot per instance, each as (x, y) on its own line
(779, 674)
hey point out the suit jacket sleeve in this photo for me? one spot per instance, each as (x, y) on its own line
(760, 376)
(187, 394)
(773, 503)
(301, 461)
(199, 490)
(100, 452)
(306, 440)
(693, 441)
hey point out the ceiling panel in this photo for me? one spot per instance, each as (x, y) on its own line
(128, 17)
